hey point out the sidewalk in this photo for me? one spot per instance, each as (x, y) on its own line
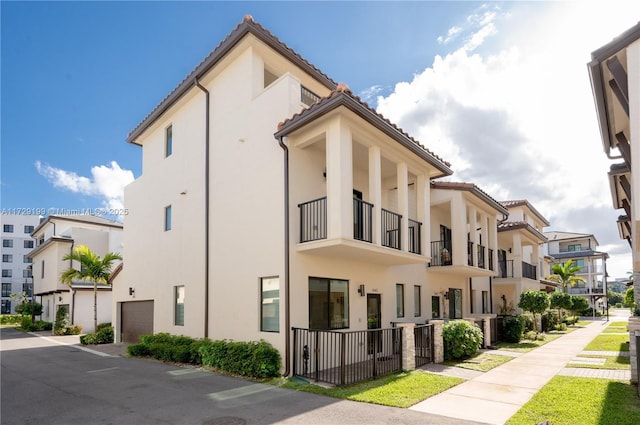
(493, 397)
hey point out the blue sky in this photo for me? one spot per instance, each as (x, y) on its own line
(481, 84)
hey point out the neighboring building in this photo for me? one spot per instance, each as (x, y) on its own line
(520, 255)
(16, 265)
(615, 81)
(56, 236)
(272, 197)
(582, 250)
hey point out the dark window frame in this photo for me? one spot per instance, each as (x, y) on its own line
(400, 304)
(329, 305)
(276, 319)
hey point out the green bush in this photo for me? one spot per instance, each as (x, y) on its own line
(560, 327)
(254, 359)
(528, 321)
(10, 319)
(138, 350)
(103, 336)
(550, 319)
(534, 336)
(88, 339)
(102, 326)
(461, 339)
(26, 323)
(513, 328)
(73, 330)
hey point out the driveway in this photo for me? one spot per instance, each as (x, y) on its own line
(43, 382)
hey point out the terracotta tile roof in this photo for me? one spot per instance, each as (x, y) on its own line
(524, 202)
(247, 26)
(516, 225)
(343, 96)
(470, 187)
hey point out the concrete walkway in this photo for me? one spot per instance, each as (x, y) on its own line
(495, 396)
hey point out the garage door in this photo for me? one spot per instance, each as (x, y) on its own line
(136, 319)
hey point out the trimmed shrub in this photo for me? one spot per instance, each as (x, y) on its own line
(102, 326)
(550, 319)
(138, 350)
(73, 330)
(528, 321)
(10, 319)
(513, 327)
(88, 339)
(534, 336)
(254, 359)
(461, 339)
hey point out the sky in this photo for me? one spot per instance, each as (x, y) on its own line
(498, 89)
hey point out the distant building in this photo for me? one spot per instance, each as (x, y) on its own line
(16, 266)
(56, 236)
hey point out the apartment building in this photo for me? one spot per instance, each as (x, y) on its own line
(55, 237)
(273, 198)
(614, 71)
(16, 265)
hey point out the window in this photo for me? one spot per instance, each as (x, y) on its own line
(399, 300)
(485, 302)
(27, 288)
(270, 304)
(7, 258)
(7, 228)
(417, 303)
(6, 307)
(579, 263)
(28, 229)
(7, 273)
(576, 247)
(435, 307)
(7, 243)
(178, 305)
(328, 303)
(42, 271)
(28, 244)
(168, 141)
(27, 272)
(167, 218)
(6, 289)
(455, 303)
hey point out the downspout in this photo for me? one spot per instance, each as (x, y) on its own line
(206, 209)
(490, 294)
(471, 294)
(287, 320)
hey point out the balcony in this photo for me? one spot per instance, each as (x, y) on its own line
(586, 291)
(442, 259)
(360, 245)
(506, 270)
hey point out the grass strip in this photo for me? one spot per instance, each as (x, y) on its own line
(481, 362)
(585, 401)
(612, 362)
(527, 345)
(398, 390)
(609, 342)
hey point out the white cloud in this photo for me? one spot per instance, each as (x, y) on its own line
(451, 35)
(511, 108)
(106, 183)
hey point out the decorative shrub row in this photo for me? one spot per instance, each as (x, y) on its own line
(253, 359)
(461, 339)
(10, 319)
(513, 328)
(104, 335)
(38, 325)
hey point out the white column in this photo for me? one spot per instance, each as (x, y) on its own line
(423, 193)
(517, 256)
(403, 204)
(375, 191)
(339, 181)
(473, 233)
(492, 242)
(458, 230)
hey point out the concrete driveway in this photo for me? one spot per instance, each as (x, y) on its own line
(43, 382)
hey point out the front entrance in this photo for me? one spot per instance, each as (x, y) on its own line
(374, 321)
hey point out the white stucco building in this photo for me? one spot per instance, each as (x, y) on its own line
(16, 265)
(55, 237)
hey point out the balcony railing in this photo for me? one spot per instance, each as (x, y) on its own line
(470, 253)
(529, 271)
(414, 236)
(307, 96)
(481, 256)
(313, 220)
(440, 253)
(391, 223)
(505, 268)
(362, 227)
(585, 291)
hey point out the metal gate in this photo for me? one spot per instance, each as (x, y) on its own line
(423, 338)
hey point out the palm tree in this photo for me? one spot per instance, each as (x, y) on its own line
(565, 274)
(93, 269)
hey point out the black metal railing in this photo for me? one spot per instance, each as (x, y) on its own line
(529, 271)
(342, 358)
(391, 223)
(440, 253)
(313, 220)
(307, 96)
(414, 237)
(362, 224)
(496, 330)
(470, 253)
(480, 323)
(423, 339)
(505, 268)
(491, 259)
(481, 256)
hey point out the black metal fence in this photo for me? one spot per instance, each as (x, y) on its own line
(440, 253)
(469, 253)
(307, 96)
(313, 220)
(529, 271)
(414, 237)
(481, 256)
(342, 358)
(423, 339)
(362, 224)
(505, 268)
(391, 223)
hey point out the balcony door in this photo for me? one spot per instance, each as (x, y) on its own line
(374, 321)
(358, 215)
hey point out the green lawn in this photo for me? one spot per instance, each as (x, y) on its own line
(584, 401)
(481, 362)
(528, 345)
(612, 362)
(609, 342)
(616, 327)
(398, 390)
